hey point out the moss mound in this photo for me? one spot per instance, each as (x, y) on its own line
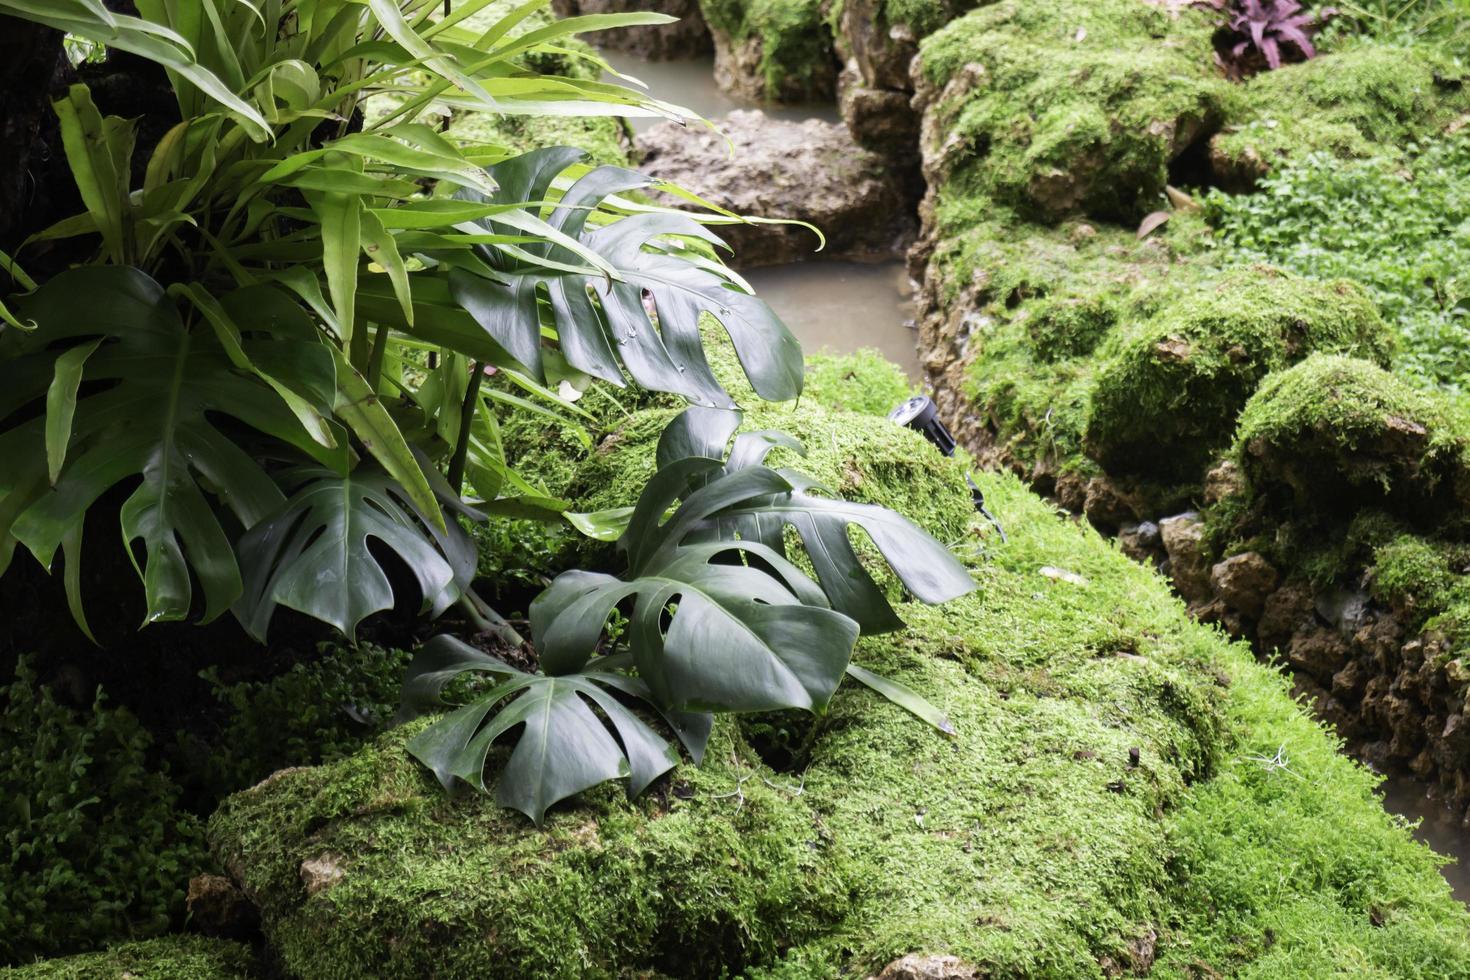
(1078, 105)
(169, 958)
(1038, 843)
(1167, 394)
(1333, 434)
(1354, 104)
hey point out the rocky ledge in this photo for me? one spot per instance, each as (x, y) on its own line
(808, 171)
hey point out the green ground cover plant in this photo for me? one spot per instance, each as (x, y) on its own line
(1398, 226)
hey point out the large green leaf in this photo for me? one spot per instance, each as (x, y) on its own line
(926, 567)
(564, 746)
(716, 621)
(315, 553)
(602, 321)
(143, 407)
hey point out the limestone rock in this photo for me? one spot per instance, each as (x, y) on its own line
(1183, 536)
(321, 872)
(686, 38)
(1244, 581)
(809, 171)
(917, 967)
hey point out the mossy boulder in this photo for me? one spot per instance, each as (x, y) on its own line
(1099, 810)
(1363, 101)
(169, 958)
(772, 50)
(1168, 391)
(1070, 106)
(1334, 434)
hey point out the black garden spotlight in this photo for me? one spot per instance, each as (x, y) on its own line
(922, 415)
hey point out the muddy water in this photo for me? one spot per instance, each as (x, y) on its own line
(1438, 828)
(843, 306)
(691, 84)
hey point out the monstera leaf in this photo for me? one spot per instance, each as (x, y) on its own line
(719, 620)
(132, 392)
(565, 747)
(601, 320)
(925, 566)
(313, 554)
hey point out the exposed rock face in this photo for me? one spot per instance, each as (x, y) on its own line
(1189, 567)
(1244, 581)
(917, 967)
(809, 171)
(687, 38)
(321, 872)
(874, 89)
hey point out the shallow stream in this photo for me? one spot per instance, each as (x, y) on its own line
(844, 306)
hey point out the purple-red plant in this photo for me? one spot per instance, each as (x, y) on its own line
(1266, 28)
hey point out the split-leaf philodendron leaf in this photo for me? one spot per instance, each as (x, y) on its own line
(719, 620)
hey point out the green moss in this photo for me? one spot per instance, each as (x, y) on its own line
(169, 958)
(864, 381)
(93, 848)
(1335, 433)
(1168, 390)
(1077, 105)
(1366, 100)
(1029, 846)
(1033, 305)
(1285, 865)
(795, 44)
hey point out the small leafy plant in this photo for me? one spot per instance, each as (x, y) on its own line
(720, 619)
(1269, 31)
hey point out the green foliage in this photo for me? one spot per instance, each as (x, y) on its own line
(181, 957)
(1399, 227)
(292, 275)
(719, 621)
(1404, 22)
(92, 848)
(315, 712)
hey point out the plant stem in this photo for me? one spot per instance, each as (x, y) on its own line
(375, 361)
(487, 620)
(466, 418)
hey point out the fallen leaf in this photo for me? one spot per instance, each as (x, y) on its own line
(1152, 223)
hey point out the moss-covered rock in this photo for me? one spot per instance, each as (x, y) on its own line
(169, 958)
(772, 50)
(1366, 100)
(1100, 809)
(1168, 391)
(1333, 434)
(1078, 105)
